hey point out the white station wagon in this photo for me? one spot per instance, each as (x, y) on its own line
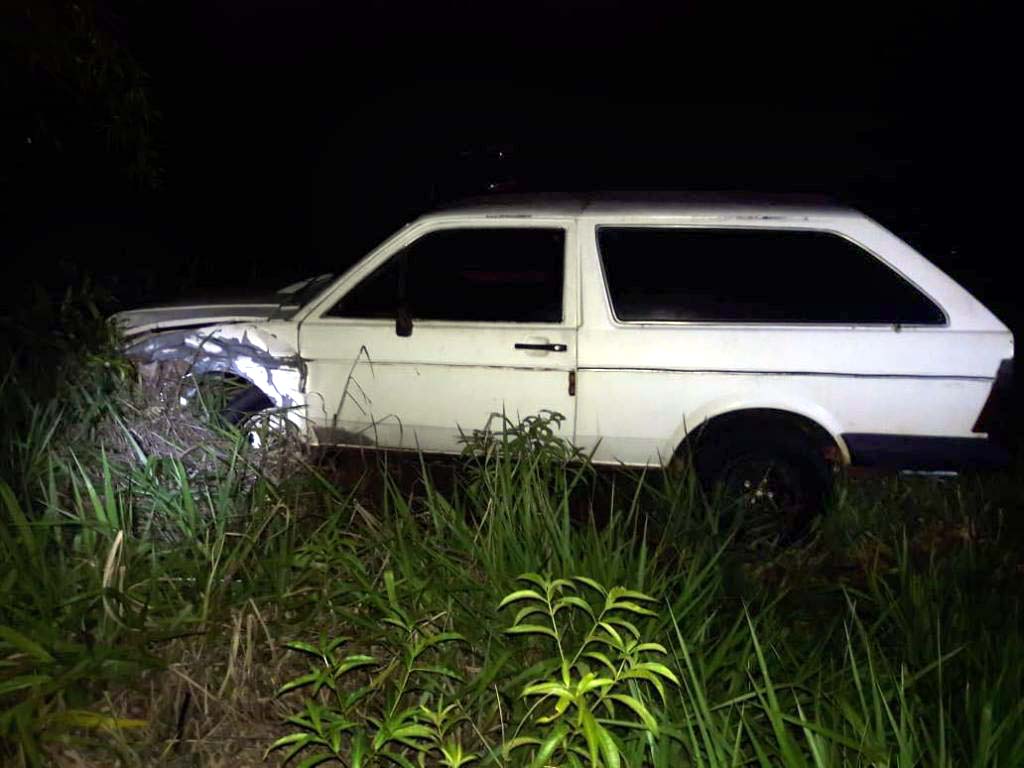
(774, 338)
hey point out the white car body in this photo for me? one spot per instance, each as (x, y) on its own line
(630, 392)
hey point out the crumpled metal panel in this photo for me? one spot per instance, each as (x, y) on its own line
(244, 350)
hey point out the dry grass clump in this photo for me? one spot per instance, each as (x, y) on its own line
(163, 436)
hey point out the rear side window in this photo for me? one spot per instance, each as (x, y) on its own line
(754, 275)
(495, 274)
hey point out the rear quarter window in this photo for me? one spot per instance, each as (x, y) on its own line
(754, 275)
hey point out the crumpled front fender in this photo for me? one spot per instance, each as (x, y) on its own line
(246, 350)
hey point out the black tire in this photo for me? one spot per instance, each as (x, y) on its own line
(245, 404)
(769, 477)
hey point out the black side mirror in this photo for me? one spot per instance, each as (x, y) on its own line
(403, 322)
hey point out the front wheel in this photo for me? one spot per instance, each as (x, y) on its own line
(245, 404)
(265, 428)
(275, 442)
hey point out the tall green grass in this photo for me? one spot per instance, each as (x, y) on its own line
(144, 604)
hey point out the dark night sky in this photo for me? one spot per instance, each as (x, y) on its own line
(297, 134)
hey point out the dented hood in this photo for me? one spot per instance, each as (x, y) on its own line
(136, 321)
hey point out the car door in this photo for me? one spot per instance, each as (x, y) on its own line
(488, 313)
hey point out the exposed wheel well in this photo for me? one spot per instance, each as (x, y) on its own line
(225, 376)
(238, 395)
(761, 419)
(218, 380)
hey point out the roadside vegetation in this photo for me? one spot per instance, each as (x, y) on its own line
(170, 595)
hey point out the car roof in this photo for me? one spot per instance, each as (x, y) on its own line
(657, 204)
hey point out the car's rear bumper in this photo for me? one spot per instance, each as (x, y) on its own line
(988, 450)
(925, 453)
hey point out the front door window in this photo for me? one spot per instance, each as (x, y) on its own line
(500, 275)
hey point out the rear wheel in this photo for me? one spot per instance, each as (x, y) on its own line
(769, 482)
